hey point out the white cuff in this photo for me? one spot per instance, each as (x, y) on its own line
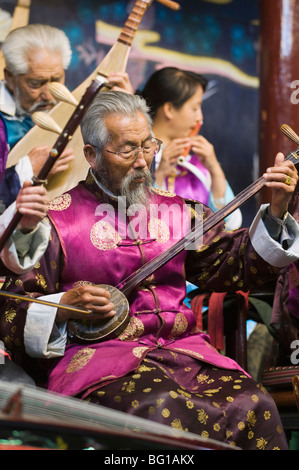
(22, 251)
(24, 170)
(42, 337)
(270, 250)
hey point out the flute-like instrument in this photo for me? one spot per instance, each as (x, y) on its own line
(60, 145)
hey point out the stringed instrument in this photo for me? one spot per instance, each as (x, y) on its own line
(115, 61)
(89, 330)
(31, 417)
(65, 136)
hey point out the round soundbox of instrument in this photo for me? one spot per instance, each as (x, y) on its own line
(90, 330)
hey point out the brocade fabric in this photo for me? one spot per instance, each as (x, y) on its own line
(93, 242)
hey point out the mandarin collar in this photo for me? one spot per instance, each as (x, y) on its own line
(7, 102)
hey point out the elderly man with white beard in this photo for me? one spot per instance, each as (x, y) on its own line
(156, 364)
(35, 55)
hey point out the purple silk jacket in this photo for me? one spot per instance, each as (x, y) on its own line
(92, 243)
(187, 185)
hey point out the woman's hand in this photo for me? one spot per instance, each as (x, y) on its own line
(168, 163)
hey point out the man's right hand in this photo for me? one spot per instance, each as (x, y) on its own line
(91, 297)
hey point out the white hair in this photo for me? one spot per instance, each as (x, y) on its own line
(21, 41)
(93, 127)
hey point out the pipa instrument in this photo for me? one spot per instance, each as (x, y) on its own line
(115, 61)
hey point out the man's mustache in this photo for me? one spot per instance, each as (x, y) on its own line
(41, 105)
(137, 175)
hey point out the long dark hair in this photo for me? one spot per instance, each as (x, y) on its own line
(173, 85)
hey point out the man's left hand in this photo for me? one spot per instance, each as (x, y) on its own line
(282, 179)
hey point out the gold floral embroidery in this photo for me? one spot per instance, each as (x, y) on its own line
(60, 203)
(267, 415)
(40, 281)
(226, 378)
(129, 386)
(194, 214)
(9, 315)
(251, 418)
(177, 424)
(184, 394)
(202, 248)
(202, 416)
(103, 236)
(158, 229)
(201, 378)
(211, 391)
(180, 325)
(163, 192)
(82, 283)
(134, 330)
(243, 249)
(261, 443)
(192, 353)
(80, 359)
(160, 402)
(144, 368)
(138, 352)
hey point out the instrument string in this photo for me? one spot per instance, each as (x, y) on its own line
(194, 234)
(44, 404)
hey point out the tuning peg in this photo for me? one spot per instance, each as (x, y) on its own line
(288, 132)
(61, 93)
(170, 4)
(45, 121)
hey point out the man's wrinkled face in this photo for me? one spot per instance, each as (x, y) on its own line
(129, 179)
(31, 90)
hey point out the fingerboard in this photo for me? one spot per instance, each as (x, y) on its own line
(131, 25)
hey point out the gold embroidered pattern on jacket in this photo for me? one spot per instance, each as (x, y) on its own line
(103, 236)
(61, 203)
(180, 325)
(80, 359)
(158, 229)
(133, 331)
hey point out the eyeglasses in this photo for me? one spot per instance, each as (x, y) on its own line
(130, 153)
